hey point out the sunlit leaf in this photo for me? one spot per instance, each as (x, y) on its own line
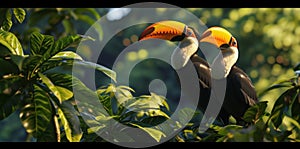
(226, 130)
(68, 55)
(154, 133)
(70, 121)
(64, 93)
(19, 14)
(51, 86)
(154, 117)
(123, 94)
(10, 41)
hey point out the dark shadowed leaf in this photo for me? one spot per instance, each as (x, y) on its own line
(30, 63)
(282, 105)
(18, 60)
(7, 22)
(50, 134)
(8, 67)
(255, 112)
(11, 84)
(295, 109)
(9, 104)
(36, 116)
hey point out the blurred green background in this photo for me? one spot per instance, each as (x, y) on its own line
(268, 40)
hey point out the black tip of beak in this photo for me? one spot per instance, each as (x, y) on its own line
(146, 32)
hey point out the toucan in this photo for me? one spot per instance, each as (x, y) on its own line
(240, 92)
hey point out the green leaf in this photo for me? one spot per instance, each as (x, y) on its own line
(9, 104)
(93, 11)
(29, 63)
(110, 73)
(255, 112)
(229, 129)
(11, 42)
(86, 99)
(59, 46)
(61, 80)
(36, 115)
(282, 105)
(11, 84)
(57, 65)
(70, 121)
(67, 55)
(69, 27)
(40, 43)
(18, 60)
(7, 22)
(154, 133)
(91, 21)
(19, 14)
(297, 67)
(39, 15)
(154, 117)
(64, 93)
(8, 67)
(123, 94)
(51, 86)
(63, 43)
(282, 84)
(296, 108)
(50, 134)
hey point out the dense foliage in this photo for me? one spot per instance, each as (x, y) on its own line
(37, 52)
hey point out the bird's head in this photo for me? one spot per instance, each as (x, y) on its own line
(174, 31)
(224, 41)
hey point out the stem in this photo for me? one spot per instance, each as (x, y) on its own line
(57, 129)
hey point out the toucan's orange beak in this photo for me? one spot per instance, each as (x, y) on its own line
(218, 36)
(167, 30)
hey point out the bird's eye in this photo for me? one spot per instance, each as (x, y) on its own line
(233, 42)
